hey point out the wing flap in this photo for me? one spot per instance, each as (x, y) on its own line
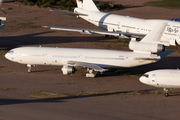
(88, 65)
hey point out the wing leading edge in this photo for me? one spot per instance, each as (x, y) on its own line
(88, 31)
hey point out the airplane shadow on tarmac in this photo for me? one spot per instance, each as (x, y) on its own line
(62, 99)
(35, 39)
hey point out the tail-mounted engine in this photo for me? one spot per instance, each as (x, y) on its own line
(146, 47)
(67, 70)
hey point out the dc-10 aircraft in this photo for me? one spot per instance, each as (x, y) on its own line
(97, 60)
(120, 26)
(94, 59)
(165, 78)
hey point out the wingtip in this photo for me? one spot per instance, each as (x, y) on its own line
(45, 26)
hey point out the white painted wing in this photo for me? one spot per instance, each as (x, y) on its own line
(156, 33)
(87, 65)
(160, 56)
(87, 31)
(68, 12)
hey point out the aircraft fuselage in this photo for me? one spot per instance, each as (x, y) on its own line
(60, 57)
(119, 23)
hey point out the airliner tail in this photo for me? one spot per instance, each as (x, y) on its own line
(87, 5)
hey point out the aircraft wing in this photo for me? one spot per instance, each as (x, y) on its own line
(88, 31)
(68, 12)
(87, 65)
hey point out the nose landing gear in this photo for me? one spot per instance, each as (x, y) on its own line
(166, 92)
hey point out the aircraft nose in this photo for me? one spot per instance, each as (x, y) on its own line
(7, 56)
(143, 79)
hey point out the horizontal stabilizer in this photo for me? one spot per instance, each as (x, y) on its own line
(2, 26)
(87, 65)
(165, 53)
(68, 12)
(158, 57)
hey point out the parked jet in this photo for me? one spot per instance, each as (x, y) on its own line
(97, 60)
(165, 78)
(144, 52)
(121, 26)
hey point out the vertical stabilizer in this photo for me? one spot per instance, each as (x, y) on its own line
(87, 5)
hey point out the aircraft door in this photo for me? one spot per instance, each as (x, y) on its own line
(45, 59)
(153, 77)
(154, 81)
(119, 25)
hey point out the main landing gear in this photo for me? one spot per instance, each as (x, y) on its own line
(91, 74)
(29, 68)
(166, 92)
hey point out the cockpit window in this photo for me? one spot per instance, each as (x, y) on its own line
(146, 75)
(11, 52)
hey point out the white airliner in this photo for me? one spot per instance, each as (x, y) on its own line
(165, 78)
(121, 26)
(97, 60)
(2, 18)
(144, 52)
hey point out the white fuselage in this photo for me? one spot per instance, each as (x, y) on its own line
(115, 23)
(167, 78)
(60, 57)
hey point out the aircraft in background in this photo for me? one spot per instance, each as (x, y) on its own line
(121, 26)
(165, 78)
(2, 18)
(144, 52)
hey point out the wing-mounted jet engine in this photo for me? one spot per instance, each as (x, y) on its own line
(67, 70)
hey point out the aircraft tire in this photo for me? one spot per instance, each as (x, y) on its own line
(166, 94)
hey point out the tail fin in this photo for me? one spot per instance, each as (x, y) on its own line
(87, 5)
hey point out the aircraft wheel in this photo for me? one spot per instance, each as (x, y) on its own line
(29, 71)
(166, 94)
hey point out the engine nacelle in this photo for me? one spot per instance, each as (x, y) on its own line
(146, 47)
(67, 70)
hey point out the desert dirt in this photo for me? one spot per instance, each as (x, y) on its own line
(23, 28)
